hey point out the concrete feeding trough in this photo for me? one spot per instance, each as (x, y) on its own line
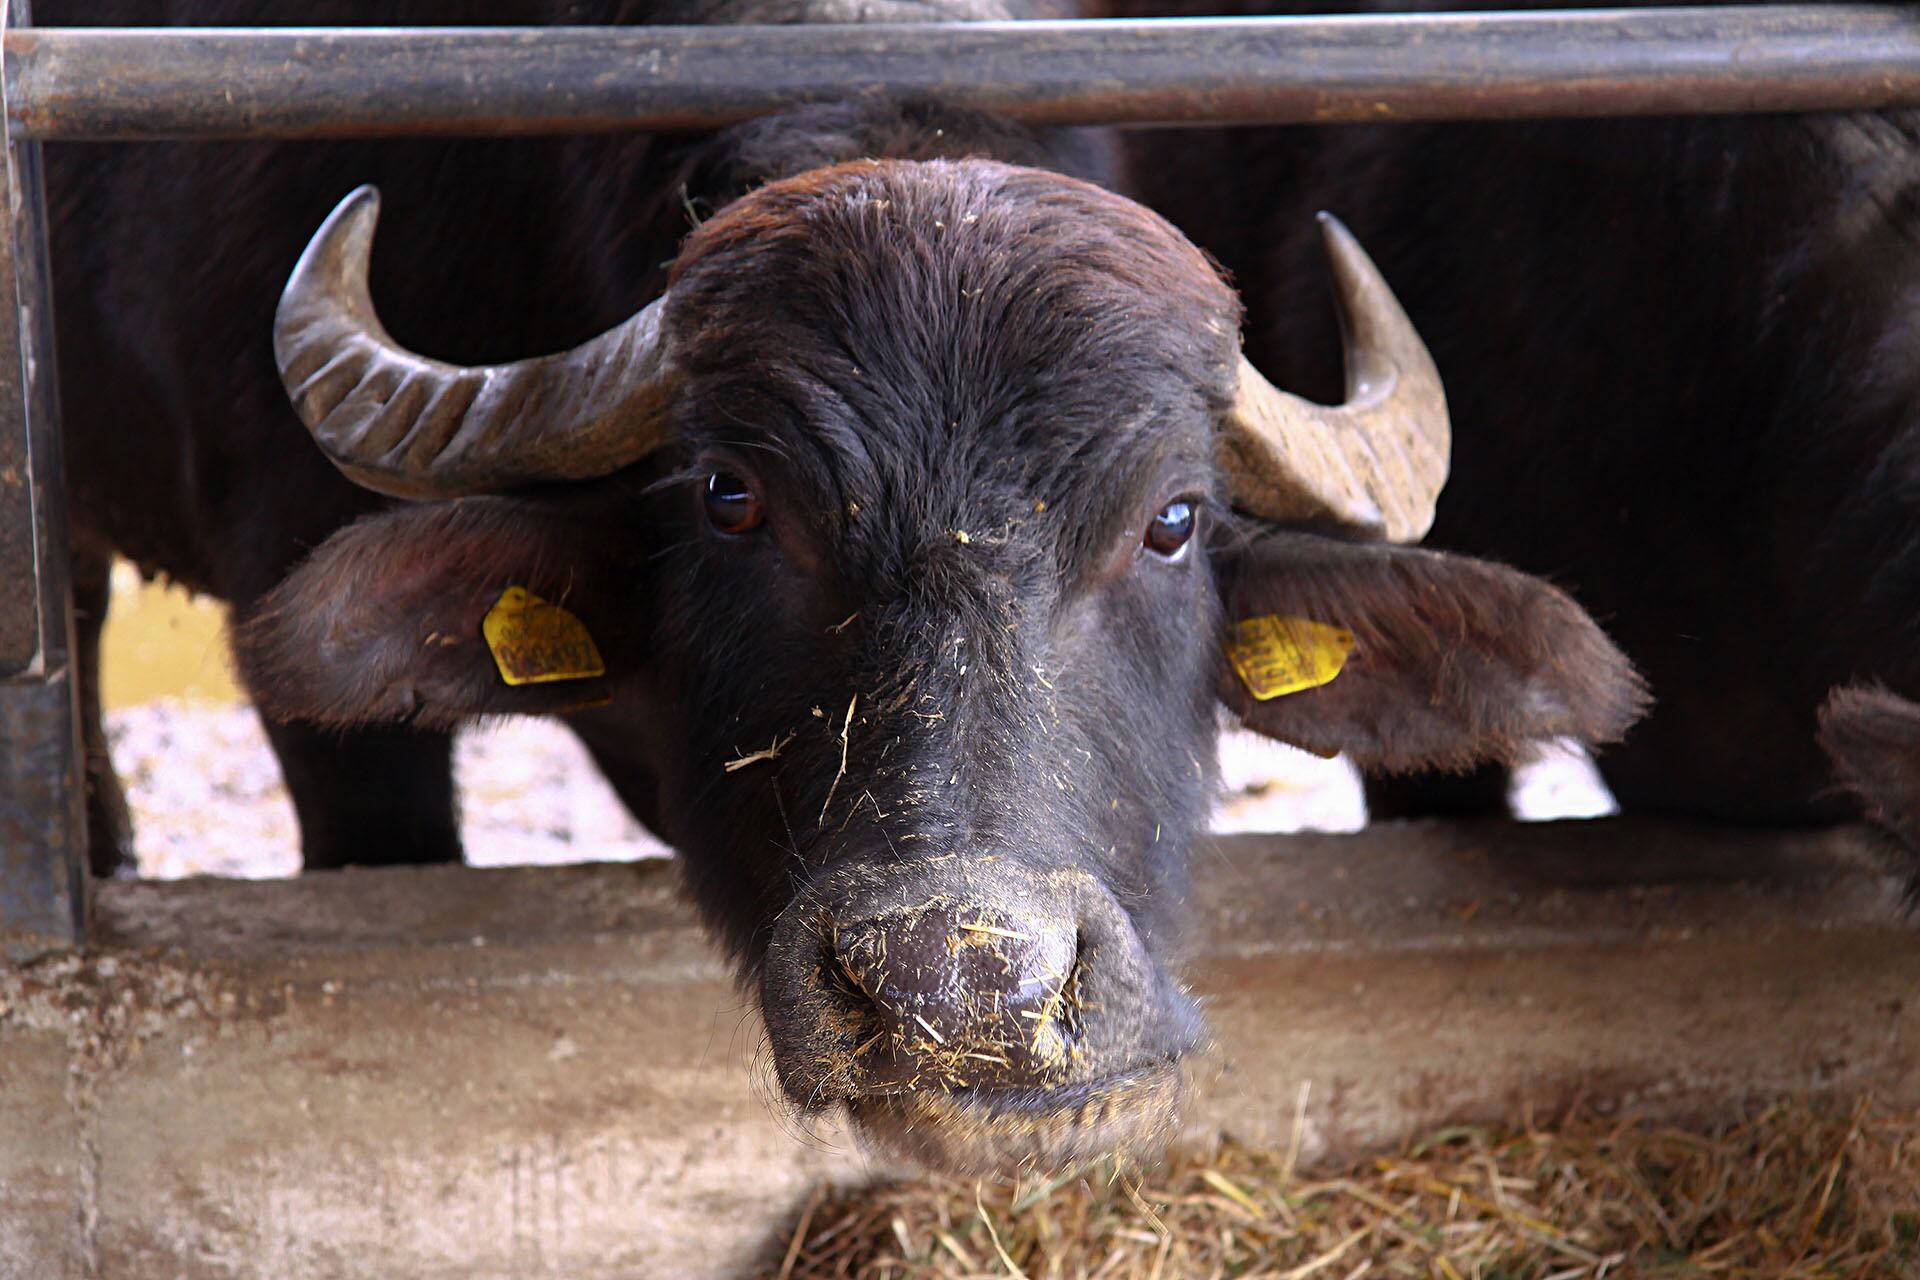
(511, 1073)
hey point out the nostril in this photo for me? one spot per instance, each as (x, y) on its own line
(849, 992)
(1056, 1022)
(866, 1052)
(837, 976)
(1073, 991)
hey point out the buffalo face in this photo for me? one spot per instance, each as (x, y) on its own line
(950, 437)
(910, 562)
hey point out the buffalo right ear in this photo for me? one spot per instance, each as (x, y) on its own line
(383, 623)
(1454, 661)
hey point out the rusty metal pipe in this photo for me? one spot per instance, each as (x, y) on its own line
(43, 833)
(76, 83)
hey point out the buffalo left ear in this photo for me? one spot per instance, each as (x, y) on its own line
(388, 621)
(1454, 661)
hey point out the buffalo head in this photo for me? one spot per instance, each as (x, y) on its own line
(907, 527)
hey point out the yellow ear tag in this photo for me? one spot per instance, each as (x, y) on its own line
(1277, 656)
(534, 642)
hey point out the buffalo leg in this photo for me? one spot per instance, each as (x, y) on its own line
(1479, 793)
(370, 797)
(109, 826)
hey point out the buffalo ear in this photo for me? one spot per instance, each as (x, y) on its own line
(382, 623)
(1455, 661)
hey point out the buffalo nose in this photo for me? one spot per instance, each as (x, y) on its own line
(959, 997)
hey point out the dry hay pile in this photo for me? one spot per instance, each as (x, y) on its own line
(1797, 1191)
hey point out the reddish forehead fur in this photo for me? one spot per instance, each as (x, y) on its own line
(1085, 241)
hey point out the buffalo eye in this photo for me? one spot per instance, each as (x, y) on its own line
(731, 505)
(1170, 529)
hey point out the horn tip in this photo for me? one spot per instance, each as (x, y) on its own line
(334, 261)
(1341, 244)
(343, 241)
(348, 229)
(360, 206)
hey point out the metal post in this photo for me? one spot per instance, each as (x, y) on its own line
(43, 880)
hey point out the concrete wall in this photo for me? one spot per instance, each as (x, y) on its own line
(524, 1073)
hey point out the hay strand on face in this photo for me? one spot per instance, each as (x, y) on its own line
(845, 729)
(771, 752)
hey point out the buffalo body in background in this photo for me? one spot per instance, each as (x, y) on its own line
(1683, 360)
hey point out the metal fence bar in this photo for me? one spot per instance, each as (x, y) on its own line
(76, 83)
(43, 880)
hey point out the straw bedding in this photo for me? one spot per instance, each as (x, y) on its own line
(1797, 1190)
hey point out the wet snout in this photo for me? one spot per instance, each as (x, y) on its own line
(994, 1011)
(956, 996)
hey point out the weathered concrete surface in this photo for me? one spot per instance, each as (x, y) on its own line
(1407, 977)
(42, 1159)
(416, 1073)
(440, 1072)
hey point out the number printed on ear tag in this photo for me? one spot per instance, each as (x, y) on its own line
(1275, 656)
(534, 642)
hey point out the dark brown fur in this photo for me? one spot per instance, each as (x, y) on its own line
(1455, 661)
(342, 649)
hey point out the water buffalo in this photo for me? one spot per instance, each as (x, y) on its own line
(905, 526)
(1680, 359)
(885, 557)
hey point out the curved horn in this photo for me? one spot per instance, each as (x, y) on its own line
(1376, 462)
(411, 427)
